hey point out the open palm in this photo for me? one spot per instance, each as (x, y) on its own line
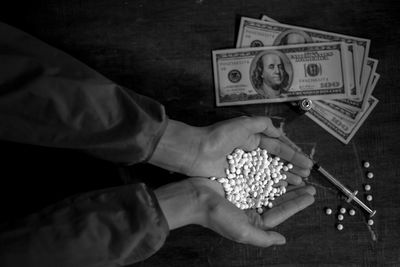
(246, 133)
(248, 226)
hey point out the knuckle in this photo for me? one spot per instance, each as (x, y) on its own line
(268, 121)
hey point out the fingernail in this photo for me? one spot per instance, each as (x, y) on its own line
(281, 241)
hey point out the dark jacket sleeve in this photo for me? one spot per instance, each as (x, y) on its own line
(113, 227)
(48, 98)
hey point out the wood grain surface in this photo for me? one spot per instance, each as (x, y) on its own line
(162, 49)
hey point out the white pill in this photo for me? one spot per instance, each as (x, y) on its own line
(343, 210)
(270, 205)
(328, 211)
(367, 187)
(259, 210)
(339, 227)
(290, 166)
(285, 168)
(370, 175)
(369, 198)
(366, 164)
(370, 222)
(340, 217)
(352, 212)
(221, 180)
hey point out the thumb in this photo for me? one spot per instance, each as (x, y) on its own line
(261, 124)
(261, 238)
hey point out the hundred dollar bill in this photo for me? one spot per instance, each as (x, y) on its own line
(342, 129)
(280, 74)
(253, 32)
(353, 60)
(343, 111)
(357, 105)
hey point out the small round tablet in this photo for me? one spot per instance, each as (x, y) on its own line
(328, 211)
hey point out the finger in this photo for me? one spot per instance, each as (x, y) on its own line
(294, 187)
(300, 171)
(260, 238)
(276, 147)
(292, 178)
(260, 124)
(282, 212)
(281, 183)
(294, 194)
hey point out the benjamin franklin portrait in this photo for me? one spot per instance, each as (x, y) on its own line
(271, 74)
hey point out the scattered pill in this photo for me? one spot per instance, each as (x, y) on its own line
(339, 227)
(343, 210)
(340, 217)
(328, 211)
(370, 175)
(290, 166)
(352, 212)
(367, 187)
(370, 222)
(260, 210)
(369, 197)
(366, 164)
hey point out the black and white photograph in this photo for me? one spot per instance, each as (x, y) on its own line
(199, 133)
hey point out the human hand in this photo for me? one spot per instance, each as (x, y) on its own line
(247, 226)
(247, 133)
(201, 201)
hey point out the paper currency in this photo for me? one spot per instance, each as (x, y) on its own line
(280, 74)
(347, 113)
(253, 32)
(343, 111)
(342, 129)
(357, 105)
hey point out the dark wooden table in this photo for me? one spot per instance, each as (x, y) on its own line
(162, 49)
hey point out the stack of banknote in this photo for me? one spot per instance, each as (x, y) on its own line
(275, 62)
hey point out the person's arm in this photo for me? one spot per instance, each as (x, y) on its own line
(112, 227)
(48, 98)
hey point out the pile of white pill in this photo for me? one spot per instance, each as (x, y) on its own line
(253, 179)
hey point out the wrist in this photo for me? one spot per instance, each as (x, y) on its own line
(181, 203)
(178, 147)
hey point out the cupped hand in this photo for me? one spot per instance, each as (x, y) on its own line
(248, 226)
(247, 133)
